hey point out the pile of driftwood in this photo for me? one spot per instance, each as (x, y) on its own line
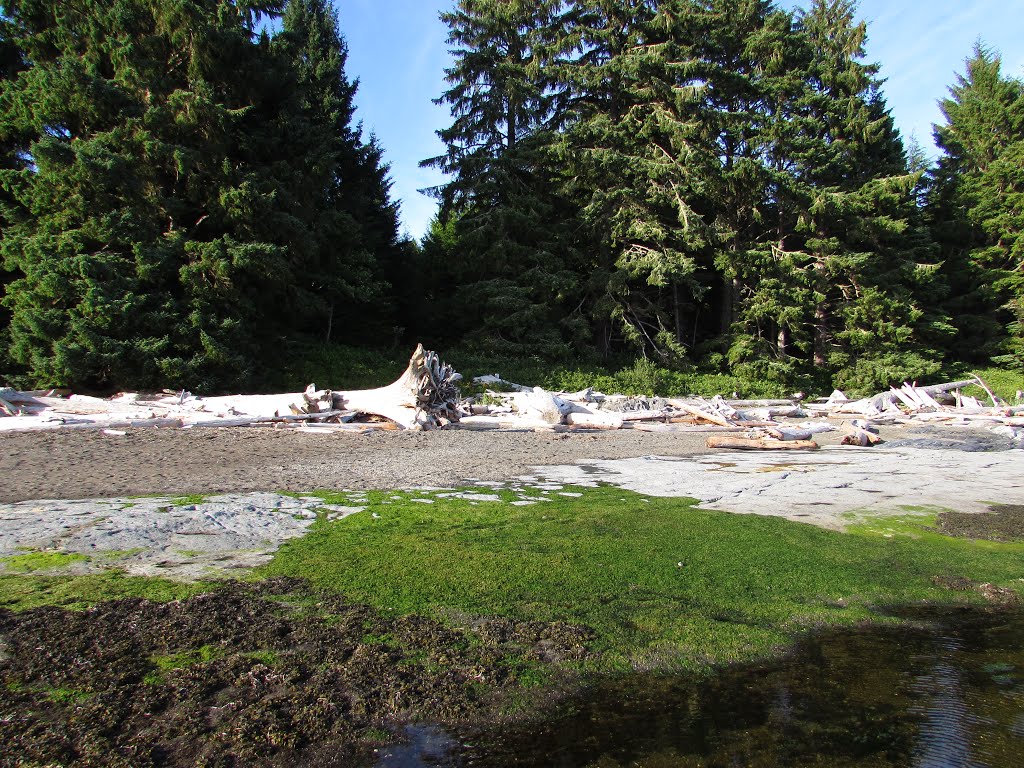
(425, 396)
(733, 423)
(755, 424)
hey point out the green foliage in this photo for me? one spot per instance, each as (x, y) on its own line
(1005, 383)
(164, 664)
(40, 561)
(187, 200)
(975, 206)
(174, 176)
(719, 172)
(664, 584)
(499, 233)
(21, 593)
(341, 367)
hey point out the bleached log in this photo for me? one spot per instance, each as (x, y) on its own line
(707, 414)
(505, 422)
(767, 414)
(747, 443)
(995, 400)
(25, 425)
(789, 433)
(587, 395)
(906, 398)
(496, 380)
(423, 395)
(739, 404)
(858, 435)
(882, 398)
(595, 420)
(541, 404)
(78, 405)
(290, 418)
(643, 415)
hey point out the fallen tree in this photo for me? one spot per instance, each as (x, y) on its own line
(425, 396)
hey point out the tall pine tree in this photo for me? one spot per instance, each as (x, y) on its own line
(627, 161)
(153, 238)
(835, 284)
(976, 207)
(189, 194)
(339, 184)
(516, 272)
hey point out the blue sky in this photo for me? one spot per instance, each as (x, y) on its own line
(397, 49)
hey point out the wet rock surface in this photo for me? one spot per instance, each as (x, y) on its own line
(966, 440)
(184, 538)
(829, 488)
(267, 674)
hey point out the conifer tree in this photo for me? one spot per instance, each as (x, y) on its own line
(11, 63)
(976, 205)
(627, 160)
(340, 185)
(194, 193)
(154, 239)
(837, 281)
(517, 279)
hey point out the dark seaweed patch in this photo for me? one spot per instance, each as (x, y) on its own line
(1004, 523)
(266, 674)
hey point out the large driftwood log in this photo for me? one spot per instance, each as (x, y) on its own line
(423, 397)
(753, 444)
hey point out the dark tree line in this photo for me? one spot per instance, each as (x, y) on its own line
(719, 180)
(183, 193)
(186, 195)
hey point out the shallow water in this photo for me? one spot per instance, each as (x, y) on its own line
(947, 694)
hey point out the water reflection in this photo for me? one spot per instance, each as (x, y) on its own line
(949, 694)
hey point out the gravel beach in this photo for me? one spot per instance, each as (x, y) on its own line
(78, 464)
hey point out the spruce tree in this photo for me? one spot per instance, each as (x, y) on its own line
(517, 279)
(834, 286)
(11, 159)
(167, 241)
(976, 205)
(339, 187)
(627, 162)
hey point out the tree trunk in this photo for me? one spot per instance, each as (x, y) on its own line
(820, 336)
(730, 292)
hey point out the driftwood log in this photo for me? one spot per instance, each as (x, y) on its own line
(424, 397)
(760, 444)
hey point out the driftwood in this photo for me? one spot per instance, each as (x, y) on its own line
(423, 397)
(760, 444)
(880, 400)
(595, 420)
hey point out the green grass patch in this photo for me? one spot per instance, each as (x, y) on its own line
(188, 500)
(664, 584)
(66, 695)
(266, 657)
(41, 561)
(21, 593)
(187, 658)
(164, 664)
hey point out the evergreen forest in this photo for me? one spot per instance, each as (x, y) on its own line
(188, 199)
